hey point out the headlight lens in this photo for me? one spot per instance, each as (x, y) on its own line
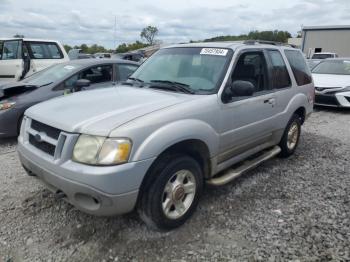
(6, 105)
(95, 150)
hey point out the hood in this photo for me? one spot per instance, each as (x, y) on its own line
(14, 89)
(331, 81)
(98, 112)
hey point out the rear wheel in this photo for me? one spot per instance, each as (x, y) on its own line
(172, 193)
(291, 135)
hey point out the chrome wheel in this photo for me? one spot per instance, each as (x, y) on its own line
(293, 135)
(179, 193)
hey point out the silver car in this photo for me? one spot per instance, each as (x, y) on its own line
(191, 114)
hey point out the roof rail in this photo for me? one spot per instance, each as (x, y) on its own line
(265, 42)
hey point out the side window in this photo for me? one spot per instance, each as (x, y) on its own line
(70, 82)
(1, 46)
(125, 71)
(98, 74)
(11, 50)
(251, 67)
(300, 69)
(280, 75)
(45, 50)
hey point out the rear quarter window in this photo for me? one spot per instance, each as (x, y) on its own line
(299, 67)
(280, 75)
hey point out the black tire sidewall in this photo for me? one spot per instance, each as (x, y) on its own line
(154, 193)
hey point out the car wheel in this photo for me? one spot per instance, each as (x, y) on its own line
(172, 193)
(291, 135)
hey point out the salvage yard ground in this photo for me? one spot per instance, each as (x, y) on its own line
(287, 209)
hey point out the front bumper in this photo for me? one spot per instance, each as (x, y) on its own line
(337, 99)
(102, 191)
(9, 123)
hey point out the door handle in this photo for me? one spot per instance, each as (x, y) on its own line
(271, 101)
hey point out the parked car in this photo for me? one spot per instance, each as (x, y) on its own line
(184, 116)
(324, 55)
(332, 82)
(77, 53)
(132, 56)
(55, 81)
(313, 62)
(102, 55)
(21, 57)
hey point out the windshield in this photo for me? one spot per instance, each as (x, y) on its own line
(52, 74)
(322, 56)
(335, 67)
(200, 69)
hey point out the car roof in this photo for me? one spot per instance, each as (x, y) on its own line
(28, 39)
(234, 45)
(94, 61)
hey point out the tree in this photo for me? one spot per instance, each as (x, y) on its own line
(18, 36)
(67, 48)
(149, 33)
(123, 48)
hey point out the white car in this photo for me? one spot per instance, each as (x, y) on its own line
(324, 55)
(21, 57)
(332, 82)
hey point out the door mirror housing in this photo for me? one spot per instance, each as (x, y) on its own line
(242, 88)
(80, 84)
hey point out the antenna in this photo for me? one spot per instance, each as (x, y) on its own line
(115, 32)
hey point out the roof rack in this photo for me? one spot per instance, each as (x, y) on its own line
(265, 42)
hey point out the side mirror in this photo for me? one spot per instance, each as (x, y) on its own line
(242, 88)
(80, 84)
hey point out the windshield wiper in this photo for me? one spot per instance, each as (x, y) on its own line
(46, 84)
(172, 85)
(136, 79)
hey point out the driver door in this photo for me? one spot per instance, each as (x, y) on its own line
(247, 122)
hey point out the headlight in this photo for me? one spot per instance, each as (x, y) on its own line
(6, 105)
(96, 150)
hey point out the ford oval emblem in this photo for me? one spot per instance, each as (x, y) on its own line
(38, 138)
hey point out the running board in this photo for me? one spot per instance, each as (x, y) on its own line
(246, 165)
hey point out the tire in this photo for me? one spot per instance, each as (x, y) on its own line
(160, 203)
(290, 139)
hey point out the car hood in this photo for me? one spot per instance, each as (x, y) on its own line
(331, 81)
(98, 112)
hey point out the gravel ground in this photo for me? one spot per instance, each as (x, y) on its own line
(295, 209)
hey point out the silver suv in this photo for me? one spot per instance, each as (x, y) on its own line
(191, 114)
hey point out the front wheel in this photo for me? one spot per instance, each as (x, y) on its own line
(173, 193)
(291, 135)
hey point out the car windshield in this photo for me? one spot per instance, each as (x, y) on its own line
(334, 67)
(52, 74)
(200, 70)
(322, 56)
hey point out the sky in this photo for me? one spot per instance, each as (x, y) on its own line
(75, 22)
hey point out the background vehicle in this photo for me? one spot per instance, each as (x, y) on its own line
(332, 82)
(102, 55)
(78, 54)
(132, 56)
(54, 81)
(324, 55)
(21, 57)
(313, 62)
(186, 115)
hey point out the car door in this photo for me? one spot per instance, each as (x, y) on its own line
(124, 71)
(247, 122)
(11, 62)
(43, 55)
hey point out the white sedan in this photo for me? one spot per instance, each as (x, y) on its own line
(332, 82)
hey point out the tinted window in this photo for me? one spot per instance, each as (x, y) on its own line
(125, 71)
(251, 67)
(45, 51)
(336, 67)
(280, 76)
(11, 50)
(300, 69)
(1, 45)
(98, 74)
(322, 56)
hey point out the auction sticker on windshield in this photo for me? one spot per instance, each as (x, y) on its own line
(214, 51)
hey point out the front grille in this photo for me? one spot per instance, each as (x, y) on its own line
(48, 130)
(326, 100)
(42, 145)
